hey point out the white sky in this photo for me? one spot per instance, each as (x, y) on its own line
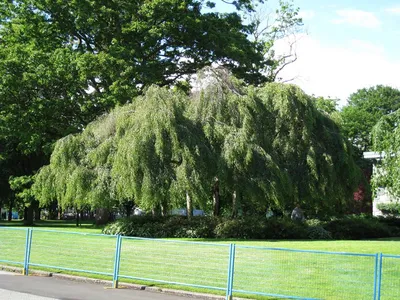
(349, 45)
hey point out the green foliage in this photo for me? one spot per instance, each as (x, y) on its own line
(386, 140)
(64, 64)
(309, 145)
(318, 233)
(269, 146)
(393, 222)
(207, 227)
(260, 228)
(348, 228)
(163, 227)
(22, 188)
(365, 108)
(357, 228)
(392, 208)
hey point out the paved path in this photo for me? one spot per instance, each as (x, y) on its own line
(18, 287)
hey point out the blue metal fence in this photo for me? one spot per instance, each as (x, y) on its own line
(232, 269)
(389, 279)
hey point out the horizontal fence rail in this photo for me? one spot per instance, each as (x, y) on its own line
(231, 269)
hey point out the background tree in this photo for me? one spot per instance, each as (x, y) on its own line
(24, 194)
(386, 139)
(271, 27)
(61, 66)
(365, 108)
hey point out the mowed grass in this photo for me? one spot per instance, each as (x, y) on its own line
(59, 225)
(260, 268)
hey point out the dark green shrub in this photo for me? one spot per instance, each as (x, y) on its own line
(139, 226)
(241, 228)
(260, 228)
(393, 223)
(356, 228)
(318, 233)
(391, 209)
(352, 227)
(163, 227)
(284, 228)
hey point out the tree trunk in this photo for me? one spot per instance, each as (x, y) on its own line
(37, 212)
(234, 205)
(77, 218)
(102, 216)
(10, 212)
(28, 221)
(189, 206)
(164, 209)
(128, 208)
(216, 208)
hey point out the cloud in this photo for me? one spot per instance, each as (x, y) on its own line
(337, 72)
(306, 14)
(393, 10)
(358, 18)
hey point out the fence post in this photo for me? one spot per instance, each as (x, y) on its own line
(378, 293)
(231, 271)
(28, 244)
(117, 260)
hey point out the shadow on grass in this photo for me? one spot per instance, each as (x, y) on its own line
(87, 224)
(389, 239)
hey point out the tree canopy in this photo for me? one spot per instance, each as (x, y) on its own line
(365, 108)
(62, 64)
(269, 146)
(386, 140)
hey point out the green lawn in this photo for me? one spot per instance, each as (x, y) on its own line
(313, 275)
(61, 225)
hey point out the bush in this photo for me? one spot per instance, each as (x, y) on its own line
(260, 228)
(391, 209)
(352, 227)
(393, 223)
(356, 228)
(163, 227)
(241, 228)
(285, 228)
(318, 233)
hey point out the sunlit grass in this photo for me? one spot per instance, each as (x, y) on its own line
(271, 271)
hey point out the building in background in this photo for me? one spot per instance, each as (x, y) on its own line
(381, 195)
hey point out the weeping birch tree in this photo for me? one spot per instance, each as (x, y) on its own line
(274, 147)
(257, 146)
(162, 156)
(149, 151)
(235, 122)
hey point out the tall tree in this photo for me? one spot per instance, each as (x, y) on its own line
(62, 65)
(268, 146)
(386, 140)
(364, 110)
(272, 26)
(149, 151)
